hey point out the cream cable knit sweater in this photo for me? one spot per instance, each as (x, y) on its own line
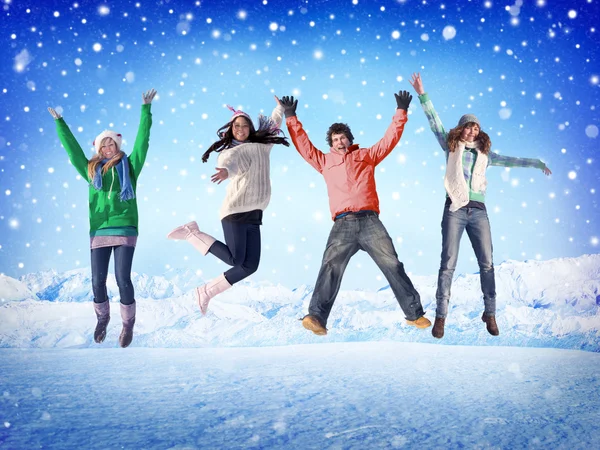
(249, 169)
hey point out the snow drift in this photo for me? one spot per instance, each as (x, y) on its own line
(551, 303)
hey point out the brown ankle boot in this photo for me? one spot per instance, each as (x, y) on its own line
(438, 327)
(103, 315)
(491, 325)
(128, 317)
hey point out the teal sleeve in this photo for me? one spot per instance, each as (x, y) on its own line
(434, 121)
(510, 161)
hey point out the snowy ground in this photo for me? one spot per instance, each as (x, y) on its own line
(335, 396)
(247, 375)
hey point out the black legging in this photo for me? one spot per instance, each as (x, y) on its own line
(123, 260)
(242, 249)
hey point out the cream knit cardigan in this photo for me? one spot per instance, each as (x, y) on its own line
(454, 181)
(249, 173)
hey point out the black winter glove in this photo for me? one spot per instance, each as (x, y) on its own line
(289, 106)
(403, 99)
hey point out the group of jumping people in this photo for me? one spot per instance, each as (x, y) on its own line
(349, 172)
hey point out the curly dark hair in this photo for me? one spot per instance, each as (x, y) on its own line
(483, 138)
(267, 133)
(339, 128)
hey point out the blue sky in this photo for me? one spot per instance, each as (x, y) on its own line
(528, 72)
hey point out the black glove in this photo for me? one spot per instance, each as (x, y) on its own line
(403, 99)
(289, 106)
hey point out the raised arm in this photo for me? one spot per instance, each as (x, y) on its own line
(142, 140)
(510, 161)
(394, 132)
(307, 150)
(277, 114)
(434, 120)
(76, 155)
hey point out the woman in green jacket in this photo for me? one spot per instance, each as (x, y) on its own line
(112, 178)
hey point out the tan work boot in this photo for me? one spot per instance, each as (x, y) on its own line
(421, 322)
(313, 324)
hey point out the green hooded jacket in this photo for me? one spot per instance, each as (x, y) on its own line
(108, 211)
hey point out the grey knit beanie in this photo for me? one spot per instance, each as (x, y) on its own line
(468, 118)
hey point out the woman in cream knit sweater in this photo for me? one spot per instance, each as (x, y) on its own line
(244, 159)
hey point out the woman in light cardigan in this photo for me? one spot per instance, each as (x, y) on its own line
(468, 156)
(244, 154)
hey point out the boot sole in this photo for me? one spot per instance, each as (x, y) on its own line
(315, 328)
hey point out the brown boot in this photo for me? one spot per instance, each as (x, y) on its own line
(438, 327)
(103, 315)
(313, 324)
(491, 325)
(128, 317)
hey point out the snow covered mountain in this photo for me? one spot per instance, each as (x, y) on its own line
(553, 303)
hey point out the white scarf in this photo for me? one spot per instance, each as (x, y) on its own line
(454, 181)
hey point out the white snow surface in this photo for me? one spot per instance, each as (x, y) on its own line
(347, 395)
(552, 303)
(248, 376)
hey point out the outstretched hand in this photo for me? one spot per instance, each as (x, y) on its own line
(403, 99)
(220, 176)
(54, 113)
(416, 82)
(147, 97)
(547, 171)
(289, 105)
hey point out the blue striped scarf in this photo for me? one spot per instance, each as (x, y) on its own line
(122, 167)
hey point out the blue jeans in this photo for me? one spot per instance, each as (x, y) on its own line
(241, 249)
(123, 262)
(349, 235)
(477, 224)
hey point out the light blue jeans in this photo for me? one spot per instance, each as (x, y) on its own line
(477, 224)
(349, 235)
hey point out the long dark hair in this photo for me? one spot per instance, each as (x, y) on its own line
(267, 133)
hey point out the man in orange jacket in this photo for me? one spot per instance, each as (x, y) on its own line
(349, 173)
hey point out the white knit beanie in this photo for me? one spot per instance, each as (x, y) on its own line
(110, 134)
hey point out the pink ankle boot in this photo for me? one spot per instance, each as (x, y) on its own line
(190, 232)
(207, 291)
